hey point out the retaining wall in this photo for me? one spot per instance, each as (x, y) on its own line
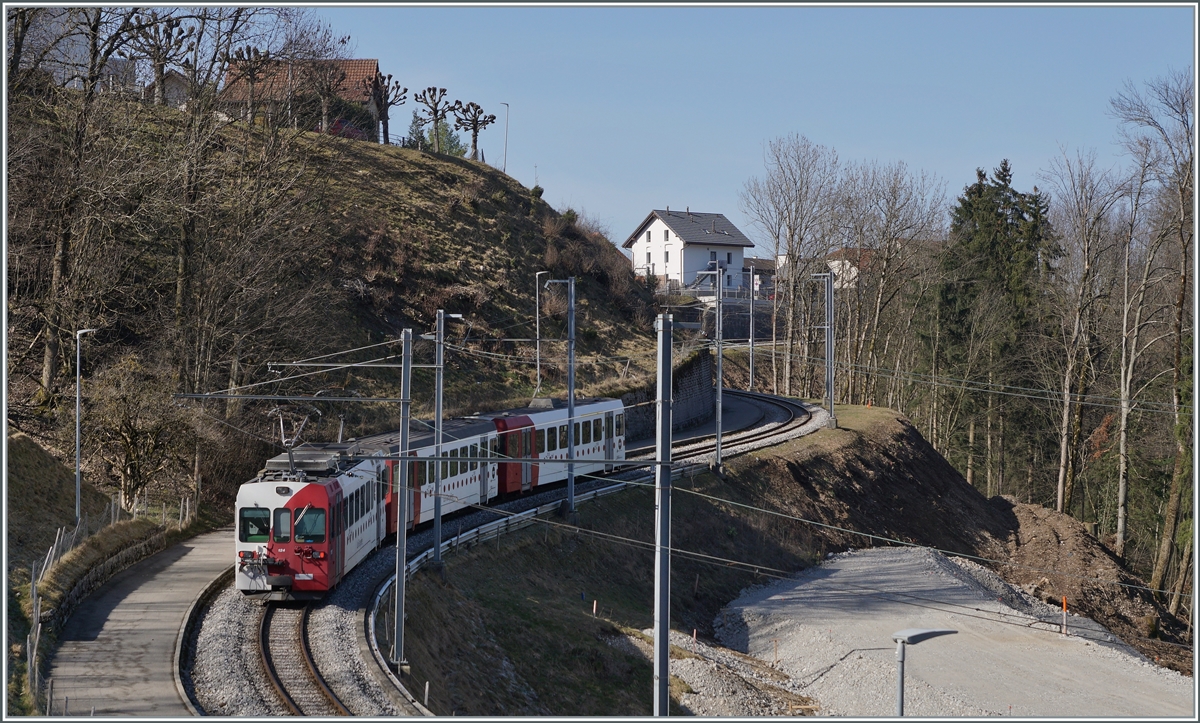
(692, 398)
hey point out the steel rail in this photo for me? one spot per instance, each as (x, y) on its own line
(311, 677)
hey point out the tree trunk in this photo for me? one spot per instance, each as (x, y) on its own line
(1170, 519)
(971, 453)
(1185, 566)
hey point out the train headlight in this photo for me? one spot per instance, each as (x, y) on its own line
(246, 554)
(318, 555)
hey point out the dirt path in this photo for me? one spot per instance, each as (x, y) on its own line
(834, 624)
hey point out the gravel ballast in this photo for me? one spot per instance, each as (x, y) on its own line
(834, 626)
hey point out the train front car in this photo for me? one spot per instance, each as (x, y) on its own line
(286, 542)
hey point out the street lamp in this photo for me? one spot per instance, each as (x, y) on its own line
(78, 358)
(504, 168)
(537, 325)
(909, 636)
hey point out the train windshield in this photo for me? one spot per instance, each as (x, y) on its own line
(254, 524)
(310, 525)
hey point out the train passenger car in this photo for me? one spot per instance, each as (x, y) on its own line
(312, 515)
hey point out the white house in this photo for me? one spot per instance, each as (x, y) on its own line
(676, 245)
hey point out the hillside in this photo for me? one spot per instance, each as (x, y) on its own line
(524, 605)
(40, 498)
(208, 253)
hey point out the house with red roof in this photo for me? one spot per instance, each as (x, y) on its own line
(299, 90)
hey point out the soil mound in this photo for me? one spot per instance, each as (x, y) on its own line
(1053, 556)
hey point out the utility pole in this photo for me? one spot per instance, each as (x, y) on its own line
(78, 405)
(829, 309)
(504, 168)
(751, 387)
(400, 489)
(570, 282)
(440, 337)
(720, 379)
(662, 530)
(537, 300)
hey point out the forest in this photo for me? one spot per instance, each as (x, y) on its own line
(1041, 339)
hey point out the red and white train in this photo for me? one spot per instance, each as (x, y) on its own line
(300, 532)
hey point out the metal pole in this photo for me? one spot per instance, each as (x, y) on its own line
(571, 394)
(832, 424)
(720, 354)
(751, 387)
(537, 296)
(78, 397)
(662, 530)
(437, 441)
(900, 679)
(400, 487)
(504, 168)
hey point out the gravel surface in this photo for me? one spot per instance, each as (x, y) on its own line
(227, 676)
(723, 682)
(833, 624)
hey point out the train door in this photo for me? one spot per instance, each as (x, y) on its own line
(609, 451)
(481, 450)
(380, 510)
(493, 471)
(526, 451)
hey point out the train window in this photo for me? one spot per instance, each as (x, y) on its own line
(310, 525)
(597, 429)
(552, 439)
(445, 465)
(254, 524)
(587, 432)
(454, 462)
(541, 441)
(513, 445)
(577, 434)
(474, 453)
(620, 425)
(283, 524)
(358, 506)
(562, 437)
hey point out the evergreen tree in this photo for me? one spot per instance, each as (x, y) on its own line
(451, 143)
(416, 136)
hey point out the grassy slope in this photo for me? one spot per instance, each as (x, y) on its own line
(530, 597)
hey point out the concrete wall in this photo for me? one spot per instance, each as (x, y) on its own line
(692, 398)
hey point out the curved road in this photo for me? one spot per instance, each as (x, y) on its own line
(117, 650)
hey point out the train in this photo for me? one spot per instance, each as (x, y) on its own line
(318, 510)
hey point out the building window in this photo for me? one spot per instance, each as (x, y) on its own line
(666, 235)
(647, 257)
(728, 280)
(712, 255)
(729, 258)
(647, 237)
(666, 256)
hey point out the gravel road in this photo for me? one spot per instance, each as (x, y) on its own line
(833, 624)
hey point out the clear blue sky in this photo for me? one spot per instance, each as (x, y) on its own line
(626, 109)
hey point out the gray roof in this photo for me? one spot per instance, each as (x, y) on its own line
(695, 229)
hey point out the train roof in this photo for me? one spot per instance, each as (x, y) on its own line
(326, 458)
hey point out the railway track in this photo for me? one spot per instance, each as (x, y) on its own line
(283, 643)
(794, 415)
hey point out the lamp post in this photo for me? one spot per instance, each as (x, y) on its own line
(78, 359)
(537, 325)
(570, 282)
(504, 168)
(909, 636)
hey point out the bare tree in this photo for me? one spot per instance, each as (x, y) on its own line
(796, 200)
(470, 117)
(437, 110)
(385, 94)
(1163, 115)
(1086, 196)
(161, 40)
